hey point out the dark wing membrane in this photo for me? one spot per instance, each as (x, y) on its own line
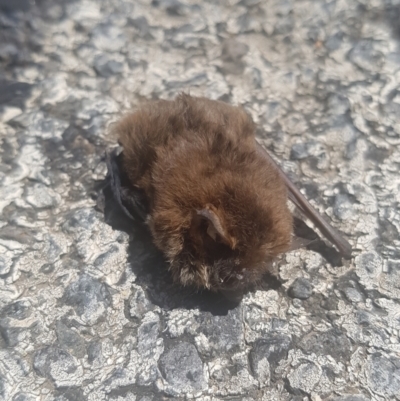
(299, 242)
(305, 207)
(130, 201)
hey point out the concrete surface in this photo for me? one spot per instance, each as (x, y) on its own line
(87, 311)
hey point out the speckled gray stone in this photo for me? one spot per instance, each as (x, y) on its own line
(353, 295)
(182, 368)
(70, 340)
(108, 37)
(142, 26)
(305, 377)
(350, 398)
(384, 374)
(266, 354)
(222, 333)
(106, 66)
(57, 365)
(19, 310)
(12, 93)
(366, 55)
(138, 303)
(332, 342)
(300, 151)
(15, 5)
(89, 297)
(23, 397)
(343, 207)
(301, 288)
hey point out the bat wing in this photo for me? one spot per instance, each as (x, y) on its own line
(306, 208)
(131, 202)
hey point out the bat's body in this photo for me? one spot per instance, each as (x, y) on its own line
(216, 203)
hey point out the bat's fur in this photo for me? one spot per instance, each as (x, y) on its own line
(217, 208)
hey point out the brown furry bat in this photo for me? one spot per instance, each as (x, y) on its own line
(216, 201)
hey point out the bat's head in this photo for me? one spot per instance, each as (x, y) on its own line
(224, 239)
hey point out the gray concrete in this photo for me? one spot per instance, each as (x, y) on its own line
(87, 311)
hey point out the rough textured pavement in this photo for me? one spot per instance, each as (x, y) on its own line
(87, 311)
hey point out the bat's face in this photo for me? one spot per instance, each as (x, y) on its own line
(223, 266)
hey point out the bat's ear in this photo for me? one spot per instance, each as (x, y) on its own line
(216, 229)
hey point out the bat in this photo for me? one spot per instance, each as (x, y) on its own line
(212, 197)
